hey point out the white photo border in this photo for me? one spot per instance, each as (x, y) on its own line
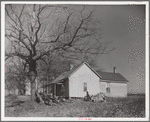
(3, 118)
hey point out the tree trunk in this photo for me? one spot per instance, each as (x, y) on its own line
(36, 84)
(47, 85)
(33, 74)
(33, 91)
(43, 86)
(9, 92)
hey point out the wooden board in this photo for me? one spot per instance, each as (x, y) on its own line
(40, 98)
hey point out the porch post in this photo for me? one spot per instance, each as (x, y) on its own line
(47, 89)
(55, 89)
(99, 85)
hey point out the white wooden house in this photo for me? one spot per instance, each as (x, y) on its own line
(78, 81)
(83, 78)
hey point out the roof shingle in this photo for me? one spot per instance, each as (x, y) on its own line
(112, 76)
(105, 76)
(68, 73)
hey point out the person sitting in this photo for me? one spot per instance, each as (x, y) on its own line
(88, 96)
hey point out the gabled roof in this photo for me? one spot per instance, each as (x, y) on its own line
(70, 72)
(112, 77)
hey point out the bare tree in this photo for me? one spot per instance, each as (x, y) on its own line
(39, 30)
(51, 67)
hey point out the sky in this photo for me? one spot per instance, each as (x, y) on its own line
(124, 26)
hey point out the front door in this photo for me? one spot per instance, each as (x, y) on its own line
(58, 90)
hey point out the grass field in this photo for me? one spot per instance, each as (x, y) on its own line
(131, 106)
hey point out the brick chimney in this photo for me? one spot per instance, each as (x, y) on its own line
(114, 70)
(71, 66)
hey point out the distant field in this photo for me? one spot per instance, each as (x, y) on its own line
(132, 106)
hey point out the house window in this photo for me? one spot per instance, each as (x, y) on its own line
(108, 87)
(85, 87)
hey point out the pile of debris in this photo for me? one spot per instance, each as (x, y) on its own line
(95, 98)
(98, 97)
(48, 99)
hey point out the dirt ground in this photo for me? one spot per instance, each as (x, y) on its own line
(132, 106)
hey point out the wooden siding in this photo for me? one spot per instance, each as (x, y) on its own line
(116, 89)
(103, 87)
(83, 75)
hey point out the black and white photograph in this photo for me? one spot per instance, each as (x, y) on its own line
(81, 61)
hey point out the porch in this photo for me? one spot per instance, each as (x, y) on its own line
(60, 88)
